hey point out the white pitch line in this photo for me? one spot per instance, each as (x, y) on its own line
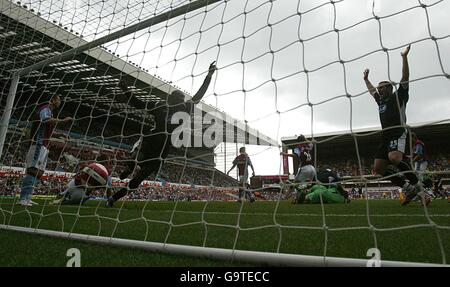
(317, 214)
(250, 213)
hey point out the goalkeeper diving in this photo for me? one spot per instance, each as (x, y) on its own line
(92, 177)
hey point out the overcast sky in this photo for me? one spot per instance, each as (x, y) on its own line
(262, 57)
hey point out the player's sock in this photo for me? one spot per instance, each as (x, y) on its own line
(63, 194)
(396, 179)
(121, 193)
(86, 198)
(132, 185)
(409, 174)
(301, 196)
(28, 183)
(125, 174)
(131, 166)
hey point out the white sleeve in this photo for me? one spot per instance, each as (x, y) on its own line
(45, 114)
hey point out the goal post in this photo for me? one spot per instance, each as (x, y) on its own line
(7, 112)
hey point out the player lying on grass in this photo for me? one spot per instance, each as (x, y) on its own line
(325, 189)
(92, 177)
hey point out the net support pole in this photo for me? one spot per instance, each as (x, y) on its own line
(256, 257)
(7, 112)
(225, 158)
(182, 10)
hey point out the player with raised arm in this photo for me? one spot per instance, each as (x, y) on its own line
(157, 141)
(394, 148)
(42, 128)
(242, 161)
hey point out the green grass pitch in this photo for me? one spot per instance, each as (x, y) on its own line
(402, 233)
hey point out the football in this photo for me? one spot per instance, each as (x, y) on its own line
(94, 174)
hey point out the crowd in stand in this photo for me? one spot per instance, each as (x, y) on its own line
(202, 182)
(10, 186)
(374, 192)
(16, 150)
(187, 174)
(438, 162)
(179, 193)
(346, 167)
(182, 172)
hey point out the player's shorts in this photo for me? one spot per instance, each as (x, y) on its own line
(420, 165)
(37, 157)
(243, 180)
(306, 173)
(397, 141)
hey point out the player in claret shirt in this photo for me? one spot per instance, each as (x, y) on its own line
(303, 152)
(42, 129)
(242, 161)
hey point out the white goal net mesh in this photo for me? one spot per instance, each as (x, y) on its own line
(282, 68)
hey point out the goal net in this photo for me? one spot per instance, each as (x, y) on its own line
(125, 123)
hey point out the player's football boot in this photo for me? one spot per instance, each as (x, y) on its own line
(32, 202)
(425, 199)
(410, 194)
(56, 201)
(24, 202)
(110, 203)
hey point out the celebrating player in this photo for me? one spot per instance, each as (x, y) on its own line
(42, 129)
(394, 145)
(242, 161)
(157, 142)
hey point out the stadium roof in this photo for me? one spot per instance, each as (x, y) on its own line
(434, 134)
(88, 81)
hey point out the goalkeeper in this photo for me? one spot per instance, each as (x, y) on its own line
(156, 143)
(327, 189)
